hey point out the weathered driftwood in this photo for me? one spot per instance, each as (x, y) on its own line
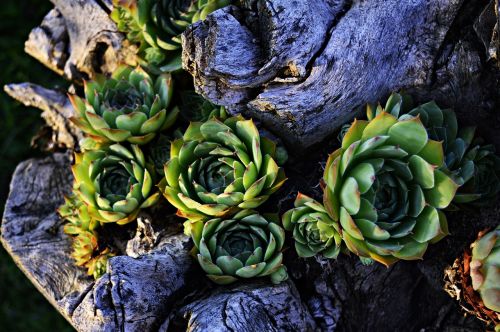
(77, 39)
(304, 67)
(56, 111)
(247, 307)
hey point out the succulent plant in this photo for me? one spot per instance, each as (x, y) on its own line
(485, 269)
(481, 185)
(128, 107)
(245, 246)
(85, 244)
(156, 25)
(468, 161)
(77, 215)
(97, 265)
(219, 168)
(384, 187)
(114, 183)
(314, 231)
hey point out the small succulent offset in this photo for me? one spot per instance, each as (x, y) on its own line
(468, 161)
(385, 188)
(219, 168)
(485, 269)
(128, 107)
(156, 25)
(115, 183)
(85, 243)
(97, 266)
(247, 245)
(314, 231)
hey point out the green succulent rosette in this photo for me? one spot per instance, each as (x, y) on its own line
(314, 231)
(219, 168)
(115, 183)
(468, 161)
(473, 165)
(128, 107)
(247, 245)
(156, 26)
(485, 269)
(385, 188)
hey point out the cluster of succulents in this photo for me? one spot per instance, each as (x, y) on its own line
(385, 188)
(125, 118)
(217, 173)
(82, 227)
(214, 173)
(156, 25)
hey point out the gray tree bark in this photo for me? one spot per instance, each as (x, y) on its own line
(303, 68)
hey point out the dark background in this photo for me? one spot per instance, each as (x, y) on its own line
(22, 308)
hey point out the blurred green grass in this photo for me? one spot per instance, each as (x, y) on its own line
(22, 308)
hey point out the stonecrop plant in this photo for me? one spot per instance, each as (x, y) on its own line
(219, 168)
(246, 245)
(115, 183)
(314, 231)
(128, 107)
(82, 227)
(485, 269)
(385, 188)
(156, 25)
